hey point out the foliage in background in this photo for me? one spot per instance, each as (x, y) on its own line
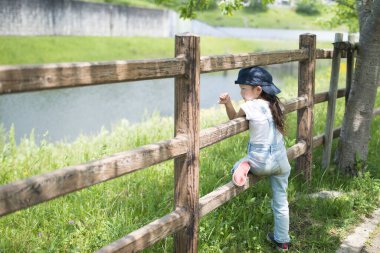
(342, 12)
(188, 9)
(255, 13)
(257, 6)
(227, 7)
(308, 7)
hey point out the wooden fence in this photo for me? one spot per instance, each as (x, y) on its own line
(186, 67)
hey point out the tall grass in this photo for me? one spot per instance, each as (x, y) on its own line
(91, 218)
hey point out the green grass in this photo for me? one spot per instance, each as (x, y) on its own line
(91, 218)
(279, 18)
(29, 50)
(33, 50)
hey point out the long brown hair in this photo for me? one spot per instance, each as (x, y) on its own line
(276, 107)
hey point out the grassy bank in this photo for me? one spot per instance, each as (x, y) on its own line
(89, 219)
(278, 18)
(32, 50)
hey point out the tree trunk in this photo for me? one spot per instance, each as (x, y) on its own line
(355, 134)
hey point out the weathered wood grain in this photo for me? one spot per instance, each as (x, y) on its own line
(306, 86)
(296, 150)
(223, 194)
(223, 131)
(234, 61)
(350, 64)
(328, 53)
(187, 121)
(294, 104)
(22, 78)
(331, 102)
(320, 139)
(324, 53)
(323, 96)
(150, 233)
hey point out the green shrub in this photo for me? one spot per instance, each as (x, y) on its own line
(257, 6)
(308, 7)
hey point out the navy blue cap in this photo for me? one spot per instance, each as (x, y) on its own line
(257, 76)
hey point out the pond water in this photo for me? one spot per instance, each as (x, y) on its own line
(67, 113)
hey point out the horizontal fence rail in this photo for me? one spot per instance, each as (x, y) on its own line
(235, 61)
(24, 78)
(328, 54)
(323, 96)
(150, 233)
(324, 53)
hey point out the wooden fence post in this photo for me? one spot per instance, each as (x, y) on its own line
(306, 81)
(187, 117)
(331, 104)
(350, 64)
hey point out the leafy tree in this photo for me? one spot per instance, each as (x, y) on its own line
(189, 8)
(353, 143)
(343, 12)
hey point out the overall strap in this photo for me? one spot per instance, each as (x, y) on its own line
(272, 125)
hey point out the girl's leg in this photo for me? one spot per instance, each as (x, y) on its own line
(240, 172)
(280, 207)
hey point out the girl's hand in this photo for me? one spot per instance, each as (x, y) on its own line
(224, 98)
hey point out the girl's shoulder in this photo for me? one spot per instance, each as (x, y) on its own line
(257, 102)
(257, 109)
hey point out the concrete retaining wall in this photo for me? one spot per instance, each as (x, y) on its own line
(67, 17)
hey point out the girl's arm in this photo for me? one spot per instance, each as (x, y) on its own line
(231, 113)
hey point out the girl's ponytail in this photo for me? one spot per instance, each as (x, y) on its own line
(277, 110)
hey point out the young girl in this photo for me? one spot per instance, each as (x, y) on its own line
(266, 150)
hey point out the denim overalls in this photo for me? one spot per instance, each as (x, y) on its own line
(271, 160)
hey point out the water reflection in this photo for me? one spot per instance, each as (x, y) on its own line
(66, 113)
